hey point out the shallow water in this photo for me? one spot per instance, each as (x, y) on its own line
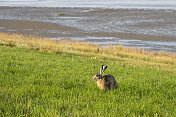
(149, 4)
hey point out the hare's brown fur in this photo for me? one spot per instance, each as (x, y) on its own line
(106, 82)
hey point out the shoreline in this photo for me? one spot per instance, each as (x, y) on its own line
(59, 27)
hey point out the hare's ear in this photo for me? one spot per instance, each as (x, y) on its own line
(101, 70)
(104, 68)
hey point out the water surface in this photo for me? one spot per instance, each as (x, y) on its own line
(149, 4)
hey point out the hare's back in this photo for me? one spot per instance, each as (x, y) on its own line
(109, 82)
(109, 78)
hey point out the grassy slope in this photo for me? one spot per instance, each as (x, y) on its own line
(35, 83)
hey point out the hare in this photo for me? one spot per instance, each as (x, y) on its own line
(106, 82)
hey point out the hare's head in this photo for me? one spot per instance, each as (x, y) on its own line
(96, 77)
(99, 75)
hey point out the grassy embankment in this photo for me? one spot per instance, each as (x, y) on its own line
(48, 78)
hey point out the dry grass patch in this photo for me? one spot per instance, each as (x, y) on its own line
(117, 52)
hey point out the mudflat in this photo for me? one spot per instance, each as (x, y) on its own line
(37, 28)
(133, 27)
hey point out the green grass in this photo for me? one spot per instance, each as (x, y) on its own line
(34, 83)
